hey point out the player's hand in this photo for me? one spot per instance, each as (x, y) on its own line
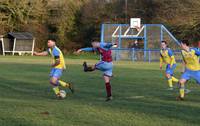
(78, 51)
(160, 67)
(35, 53)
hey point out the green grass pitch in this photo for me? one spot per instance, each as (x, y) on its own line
(139, 90)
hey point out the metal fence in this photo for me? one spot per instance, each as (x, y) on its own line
(148, 37)
(135, 55)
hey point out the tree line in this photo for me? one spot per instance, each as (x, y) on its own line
(74, 23)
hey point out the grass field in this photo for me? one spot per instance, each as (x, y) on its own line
(139, 89)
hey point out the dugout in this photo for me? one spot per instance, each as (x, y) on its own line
(17, 43)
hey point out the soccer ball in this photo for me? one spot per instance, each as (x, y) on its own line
(62, 94)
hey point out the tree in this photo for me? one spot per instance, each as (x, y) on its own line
(26, 16)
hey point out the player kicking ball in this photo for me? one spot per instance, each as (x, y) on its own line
(167, 57)
(105, 65)
(192, 67)
(58, 65)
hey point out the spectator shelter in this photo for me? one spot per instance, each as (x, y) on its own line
(17, 43)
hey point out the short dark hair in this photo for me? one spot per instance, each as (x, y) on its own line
(164, 42)
(52, 39)
(185, 42)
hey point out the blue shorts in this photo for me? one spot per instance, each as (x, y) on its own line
(170, 70)
(188, 74)
(55, 72)
(105, 67)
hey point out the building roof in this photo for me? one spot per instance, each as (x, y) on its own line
(21, 35)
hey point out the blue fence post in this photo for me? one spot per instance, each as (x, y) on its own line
(133, 54)
(119, 42)
(115, 55)
(102, 36)
(102, 32)
(161, 33)
(149, 56)
(145, 41)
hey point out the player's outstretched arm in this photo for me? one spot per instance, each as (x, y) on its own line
(85, 49)
(45, 53)
(108, 45)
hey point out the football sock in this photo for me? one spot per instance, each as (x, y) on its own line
(182, 91)
(63, 84)
(56, 90)
(108, 89)
(174, 79)
(170, 82)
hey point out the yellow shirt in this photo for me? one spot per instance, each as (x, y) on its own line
(191, 59)
(166, 56)
(56, 53)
